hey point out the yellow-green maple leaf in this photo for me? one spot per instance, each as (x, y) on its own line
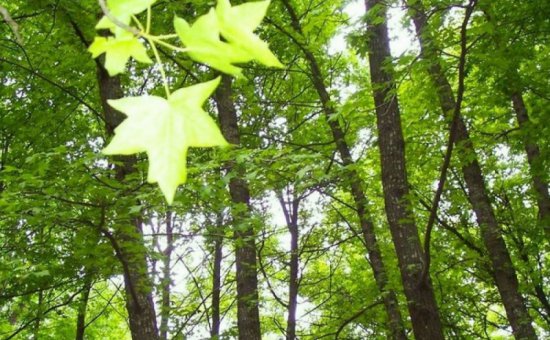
(237, 25)
(202, 40)
(118, 50)
(165, 129)
(123, 11)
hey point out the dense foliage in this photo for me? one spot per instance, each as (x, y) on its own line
(378, 184)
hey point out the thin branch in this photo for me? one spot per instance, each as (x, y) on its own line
(13, 25)
(115, 20)
(450, 143)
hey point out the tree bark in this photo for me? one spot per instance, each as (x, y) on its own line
(421, 300)
(216, 277)
(504, 272)
(248, 315)
(395, 323)
(138, 285)
(83, 305)
(166, 279)
(540, 185)
(291, 218)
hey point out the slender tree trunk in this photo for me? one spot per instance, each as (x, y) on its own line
(395, 323)
(421, 300)
(248, 315)
(166, 279)
(504, 272)
(39, 315)
(540, 185)
(217, 277)
(132, 252)
(83, 305)
(291, 217)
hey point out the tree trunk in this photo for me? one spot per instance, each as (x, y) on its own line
(39, 315)
(248, 315)
(395, 323)
(291, 218)
(166, 279)
(132, 252)
(504, 272)
(421, 300)
(540, 185)
(216, 277)
(83, 305)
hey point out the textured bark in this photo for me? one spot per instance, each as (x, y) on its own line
(421, 300)
(39, 316)
(540, 185)
(132, 252)
(395, 323)
(166, 279)
(82, 306)
(291, 217)
(248, 315)
(504, 272)
(216, 278)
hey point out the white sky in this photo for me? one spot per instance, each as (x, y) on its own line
(402, 40)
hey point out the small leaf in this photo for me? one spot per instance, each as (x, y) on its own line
(237, 25)
(202, 40)
(165, 129)
(118, 50)
(123, 11)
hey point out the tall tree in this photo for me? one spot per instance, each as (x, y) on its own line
(128, 239)
(245, 241)
(418, 288)
(502, 266)
(397, 330)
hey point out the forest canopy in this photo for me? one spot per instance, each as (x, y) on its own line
(277, 169)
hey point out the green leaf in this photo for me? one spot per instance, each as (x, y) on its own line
(202, 39)
(118, 50)
(237, 24)
(123, 11)
(165, 129)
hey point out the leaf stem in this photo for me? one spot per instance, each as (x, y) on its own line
(165, 44)
(161, 67)
(148, 26)
(140, 26)
(166, 36)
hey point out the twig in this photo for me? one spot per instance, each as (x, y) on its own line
(13, 25)
(115, 20)
(450, 143)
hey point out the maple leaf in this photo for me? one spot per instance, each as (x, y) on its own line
(203, 43)
(237, 24)
(123, 11)
(165, 129)
(118, 50)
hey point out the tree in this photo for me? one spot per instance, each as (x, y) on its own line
(290, 175)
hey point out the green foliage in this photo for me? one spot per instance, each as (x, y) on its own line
(165, 129)
(158, 123)
(60, 196)
(118, 50)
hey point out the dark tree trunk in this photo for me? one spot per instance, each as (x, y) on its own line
(421, 300)
(540, 185)
(129, 238)
(39, 315)
(216, 278)
(83, 305)
(248, 315)
(166, 279)
(503, 269)
(291, 217)
(395, 323)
